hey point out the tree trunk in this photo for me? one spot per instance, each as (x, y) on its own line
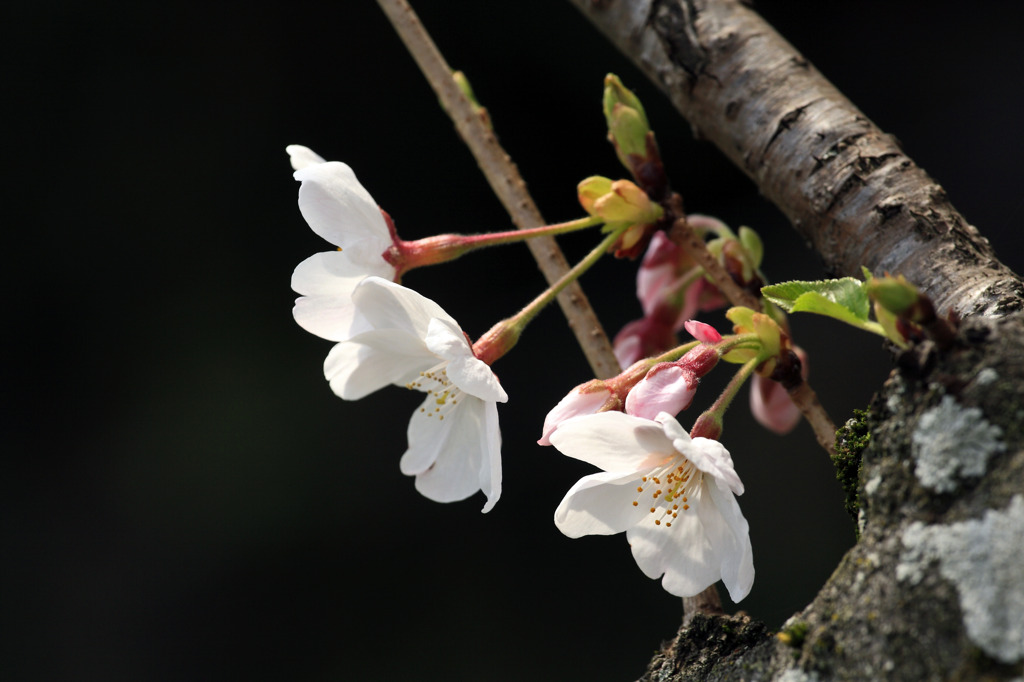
(934, 589)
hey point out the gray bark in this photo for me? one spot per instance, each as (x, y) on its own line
(934, 589)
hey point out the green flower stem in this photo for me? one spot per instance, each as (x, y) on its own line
(445, 247)
(504, 335)
(709, 424)
(674, 354)
(734, 385)
(727, 344)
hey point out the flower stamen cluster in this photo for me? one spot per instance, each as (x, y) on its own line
(680, 481)
(445, 393)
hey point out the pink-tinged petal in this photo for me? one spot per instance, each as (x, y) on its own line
(628, 349)
(447, 455)
(600, 504)
(387, 305)
(642, 338)
(613, 441)
(681, 553)
(666, 388)
(704, 333)
(729, 535)
(327, 281)
(464, 370)
(772, 407)
(701, 296)
(341, 211)
(652, 284)
(372, 360)
(302, 156)
(657, 272)
(577, 403)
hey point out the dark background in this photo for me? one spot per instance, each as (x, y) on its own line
(182, 496)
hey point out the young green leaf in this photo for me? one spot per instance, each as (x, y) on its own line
(843, 299)
(847, 292)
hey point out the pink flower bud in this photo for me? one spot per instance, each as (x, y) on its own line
(658, 272)
(643, 338)
(589, 398)
(770, 403)
(704, 333)
(708, 425)
(668, 387)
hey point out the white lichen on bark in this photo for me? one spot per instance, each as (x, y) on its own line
(981, 558)
(797, 675)
(952, 441)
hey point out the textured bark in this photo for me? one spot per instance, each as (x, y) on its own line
(846, 186)
(934, 589)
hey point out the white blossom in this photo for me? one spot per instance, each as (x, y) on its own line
(672, 495)
(454, 441)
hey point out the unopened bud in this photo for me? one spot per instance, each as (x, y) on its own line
(619, 201)
(746, 321)
(769, 399)
(627, 122)
(668, 387)
(896, 295)
(467, 90)
(589, 398)
(708, 425)
(704, 333)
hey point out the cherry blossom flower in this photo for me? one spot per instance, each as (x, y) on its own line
(454, 441)
(673, 495)
(341, 211)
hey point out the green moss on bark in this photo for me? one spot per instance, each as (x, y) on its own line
(851, 439)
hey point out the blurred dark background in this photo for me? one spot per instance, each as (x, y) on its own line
(181, 495)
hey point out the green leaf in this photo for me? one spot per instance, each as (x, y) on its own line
(813, 302)
(843, 299)
(825, 297)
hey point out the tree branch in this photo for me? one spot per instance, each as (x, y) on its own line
(846, 186)
(508, 185)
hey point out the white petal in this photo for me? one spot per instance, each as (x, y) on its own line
(680, 552)
(327, 281)
(302, 156)
(613, 441)
(729, 534)
(447, 456)
(473, 376)
(329, 273)
(600, 504)
(490, 469)
(338, 209)
(707, 455)
(387, 305)
(373, 360)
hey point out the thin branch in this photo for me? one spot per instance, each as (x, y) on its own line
(506, 182)
(846, 186)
